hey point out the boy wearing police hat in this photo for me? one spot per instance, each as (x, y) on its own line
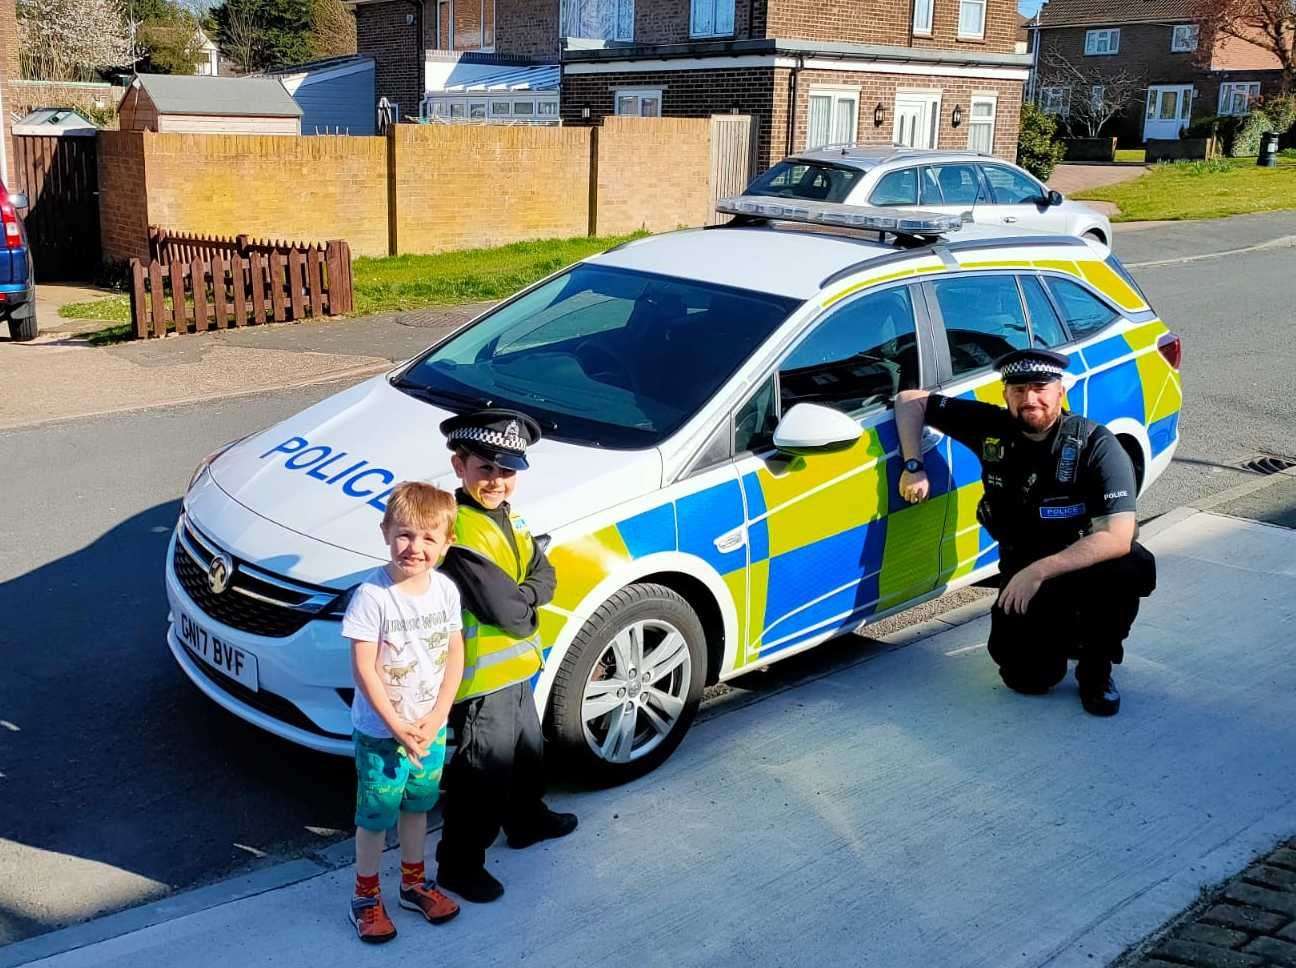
(1060, 499)
(496, 778)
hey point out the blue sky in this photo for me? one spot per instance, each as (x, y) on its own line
(1028, 7)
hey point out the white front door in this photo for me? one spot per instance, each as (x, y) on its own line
(917, 118)
(1169, 107)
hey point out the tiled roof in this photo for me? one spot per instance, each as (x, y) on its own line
(1059, 13)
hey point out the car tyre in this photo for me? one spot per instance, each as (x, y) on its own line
(630, 685)
(24, 329)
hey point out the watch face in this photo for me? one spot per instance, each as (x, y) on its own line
(913, 466)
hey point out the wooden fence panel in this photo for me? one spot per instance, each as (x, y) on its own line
(139, 302)
(198, 275)
(277, 286)
(256, 271)
(219, 285)
(239, 271)
(315, 281)
(295, 267)
(733, 158)
(159, 299)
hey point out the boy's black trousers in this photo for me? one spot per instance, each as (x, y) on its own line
(495, 779)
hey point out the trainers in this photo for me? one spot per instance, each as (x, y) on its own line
(549, 826)
(429, 902)
(476, 885)
(370, 919)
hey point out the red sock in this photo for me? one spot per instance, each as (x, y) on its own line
(412, 875)
(366, 886)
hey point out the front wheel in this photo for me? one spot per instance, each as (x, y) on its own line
(629, 686)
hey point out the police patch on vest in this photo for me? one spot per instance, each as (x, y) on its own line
(1062, 511)
(992, 449)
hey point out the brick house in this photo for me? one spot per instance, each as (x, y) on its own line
(1157, 40)
(9, 69)
(810, 71)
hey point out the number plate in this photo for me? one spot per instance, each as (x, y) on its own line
(224, 658)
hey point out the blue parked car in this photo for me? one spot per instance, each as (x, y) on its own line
(17, 281)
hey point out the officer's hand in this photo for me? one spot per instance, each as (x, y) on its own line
(914, 487)
(1017, 594)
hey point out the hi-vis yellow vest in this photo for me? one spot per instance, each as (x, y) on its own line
(494, 659)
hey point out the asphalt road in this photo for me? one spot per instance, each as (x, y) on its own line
(120, 783)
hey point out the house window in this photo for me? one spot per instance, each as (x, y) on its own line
(712, 18)
(981, 124)
(549, 108)
(922, 17)
(1100, 43)
(597, 19)
(1055, 100)
(971, 18)
(477, 109)
(523, 108)
(499, 107)
(642, 104)
(1183, 38)
(1236, 96)
(832, 116)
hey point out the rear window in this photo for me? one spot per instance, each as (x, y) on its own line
(811, 181)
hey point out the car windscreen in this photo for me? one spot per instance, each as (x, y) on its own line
(601, 356)
(803, 179)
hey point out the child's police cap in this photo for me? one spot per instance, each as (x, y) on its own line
(497, 435)
(1031, 366)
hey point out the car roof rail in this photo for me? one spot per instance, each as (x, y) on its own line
(963, 245)
(910, 227)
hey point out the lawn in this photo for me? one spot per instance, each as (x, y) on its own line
(1134, 156)
(410, 281)
(1202, 189)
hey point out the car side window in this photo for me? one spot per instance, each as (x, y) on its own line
(755, 420)
(1046, 328)
(1011, 187)
(929, 191)
(896, 188)
(1085, 313)
(983, 319)
(860, 355)
(959, 184)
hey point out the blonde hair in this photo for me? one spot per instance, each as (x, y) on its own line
(421, 505)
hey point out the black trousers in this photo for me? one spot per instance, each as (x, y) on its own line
(495, 778)
(1085, 615)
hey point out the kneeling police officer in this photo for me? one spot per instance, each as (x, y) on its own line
(1060, 500)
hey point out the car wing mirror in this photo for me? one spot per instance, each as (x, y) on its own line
(811, 428)
(1054, 197)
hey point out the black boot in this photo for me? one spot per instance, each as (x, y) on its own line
(545, 826)
(477, 885)
(1101, 698)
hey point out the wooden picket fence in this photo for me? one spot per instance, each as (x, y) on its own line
(166, 246)
(218, 289)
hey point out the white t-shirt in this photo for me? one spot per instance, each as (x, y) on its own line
(413, 636)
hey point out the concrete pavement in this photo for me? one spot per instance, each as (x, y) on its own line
(904, 810)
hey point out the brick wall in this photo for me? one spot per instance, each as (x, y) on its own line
(24, 96)
(383, 34)
(888, 22)
(652, 174)
(8, 72)
(685, 94)
(527, 28)
(668, 21)
(315, 188)
(1232, 54)
(470, 186)
(123, 199)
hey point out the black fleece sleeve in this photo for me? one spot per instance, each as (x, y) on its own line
(540, 580)
(490, 594)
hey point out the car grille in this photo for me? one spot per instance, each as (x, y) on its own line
(254, 601)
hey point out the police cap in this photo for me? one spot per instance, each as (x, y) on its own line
(496, 435)
(1031, 366)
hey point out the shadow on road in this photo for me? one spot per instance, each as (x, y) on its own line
(109, 756)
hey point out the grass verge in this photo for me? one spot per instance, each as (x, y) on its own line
(1201, 189)
(407, 282)
(1131, 155)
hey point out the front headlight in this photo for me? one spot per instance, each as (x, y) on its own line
(206, 462)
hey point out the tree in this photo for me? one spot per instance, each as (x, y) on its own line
(70, 40)
(261, 34)
(333, 29)
(1037, 150)
(168, 36)
(1098, 93)
(1268, 24)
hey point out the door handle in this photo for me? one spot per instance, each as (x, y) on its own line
(1010, 218)
(930, 439)
(731, 540)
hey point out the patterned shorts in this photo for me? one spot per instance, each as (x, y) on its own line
(388, 784)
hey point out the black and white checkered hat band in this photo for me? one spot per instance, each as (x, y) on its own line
(491, 438)
(1032, 367)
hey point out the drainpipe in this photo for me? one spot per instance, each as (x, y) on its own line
(1035, 48)
(792, 102)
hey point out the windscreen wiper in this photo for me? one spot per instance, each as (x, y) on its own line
(435, 395)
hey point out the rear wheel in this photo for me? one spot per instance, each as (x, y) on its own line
(629, 687)
(21, 330)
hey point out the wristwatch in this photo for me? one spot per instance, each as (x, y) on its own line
(914, 466)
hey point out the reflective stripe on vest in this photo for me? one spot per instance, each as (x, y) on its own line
(493, 659)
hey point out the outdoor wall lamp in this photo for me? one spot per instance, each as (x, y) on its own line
(879, 113)
(957, 117)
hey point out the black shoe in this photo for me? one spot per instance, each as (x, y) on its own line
(1101, 701)
(549, 826)
(477, 885)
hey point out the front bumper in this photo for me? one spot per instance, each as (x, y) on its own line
(299, 676)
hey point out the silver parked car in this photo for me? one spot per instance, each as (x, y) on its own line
(995, 192)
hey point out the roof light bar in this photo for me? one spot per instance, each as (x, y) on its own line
(874, 218)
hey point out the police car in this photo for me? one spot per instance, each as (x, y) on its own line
(718, 472)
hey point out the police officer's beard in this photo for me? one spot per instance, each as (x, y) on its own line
(1037, 420)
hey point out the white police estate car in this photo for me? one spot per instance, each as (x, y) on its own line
(718, 472)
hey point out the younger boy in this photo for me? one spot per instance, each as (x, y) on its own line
(407, 659)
